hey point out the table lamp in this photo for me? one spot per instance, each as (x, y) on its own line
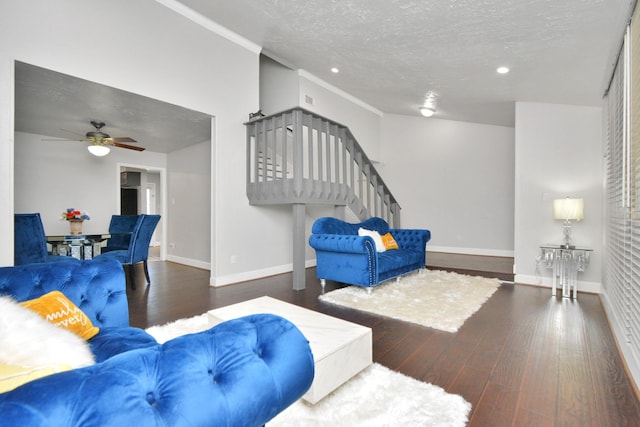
(568, 210)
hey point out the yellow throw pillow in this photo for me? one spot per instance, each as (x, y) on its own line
(12, 376)
(389, 242)
(59, 310)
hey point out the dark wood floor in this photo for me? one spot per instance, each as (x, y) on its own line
(524, 359)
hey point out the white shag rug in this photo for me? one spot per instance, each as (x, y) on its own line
(434, 298)
(379, 397)
(188, 325)
(376, 397)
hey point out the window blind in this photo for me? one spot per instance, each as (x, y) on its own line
(622, 211)
(632, 73)
(615, 212)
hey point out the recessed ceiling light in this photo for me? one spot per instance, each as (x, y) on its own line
(502, 70)
(335, 70)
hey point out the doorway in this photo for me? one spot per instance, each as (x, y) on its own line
(143, 191)
(151, 209)
(128, 201)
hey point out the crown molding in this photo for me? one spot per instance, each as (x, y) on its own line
(210, 25)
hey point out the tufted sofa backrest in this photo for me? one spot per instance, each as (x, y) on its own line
(97, 287)
(330, 225)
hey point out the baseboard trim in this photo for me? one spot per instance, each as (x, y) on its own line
(547, 282)
(190, 262)
(231, 279)
(470, 251)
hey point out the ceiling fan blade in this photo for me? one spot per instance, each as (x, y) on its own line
(130, 147)
(75, 133)
(123, 139)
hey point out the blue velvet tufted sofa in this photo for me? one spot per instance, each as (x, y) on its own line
(344, 256)
(240, 373)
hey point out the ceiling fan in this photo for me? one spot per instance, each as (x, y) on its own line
(100, 141)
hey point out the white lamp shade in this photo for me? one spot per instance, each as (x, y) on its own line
(98, 150)
(427, 111)
(568, 208)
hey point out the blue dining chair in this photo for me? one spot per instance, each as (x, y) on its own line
(30, 241)
(138, 250)
(120, 228)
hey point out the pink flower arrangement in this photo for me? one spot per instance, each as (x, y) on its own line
(72, 214)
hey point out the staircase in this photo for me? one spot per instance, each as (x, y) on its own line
(300, 158)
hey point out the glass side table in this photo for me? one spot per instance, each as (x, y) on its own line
(84, 246)
(565, 263)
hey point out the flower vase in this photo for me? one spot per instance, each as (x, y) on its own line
(75, 226)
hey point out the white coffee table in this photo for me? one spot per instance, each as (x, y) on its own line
(340, 349)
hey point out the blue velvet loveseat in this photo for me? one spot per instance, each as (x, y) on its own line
(240, 373)
(344, 256)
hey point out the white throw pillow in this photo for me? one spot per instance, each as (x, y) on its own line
(375, 236)
(26, 339)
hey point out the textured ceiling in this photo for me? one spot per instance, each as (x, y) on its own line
(392, 53)
(59, 105)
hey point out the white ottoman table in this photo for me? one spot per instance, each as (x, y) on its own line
(340, 349)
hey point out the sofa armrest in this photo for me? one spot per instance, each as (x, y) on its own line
(241, 372)
(343, 243)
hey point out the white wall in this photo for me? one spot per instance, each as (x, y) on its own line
(278, 86)
(282, 88)
(332, 103)
(189, 181)
(453, 178)
(558, 154)
(154, 179)
(52, 176)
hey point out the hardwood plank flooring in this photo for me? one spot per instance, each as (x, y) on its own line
(524, 359)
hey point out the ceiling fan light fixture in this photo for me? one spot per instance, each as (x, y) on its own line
(98, 150)
(427, 111)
